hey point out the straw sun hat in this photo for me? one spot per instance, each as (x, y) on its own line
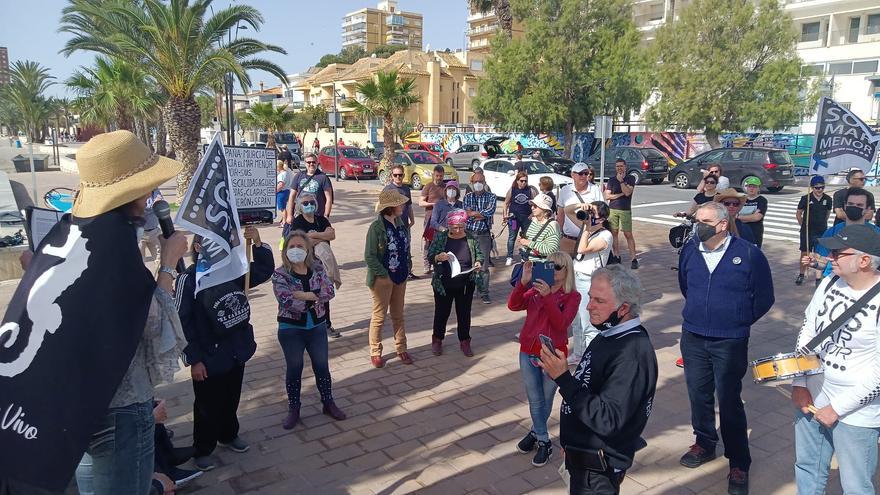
(116, 168)
(390, 198)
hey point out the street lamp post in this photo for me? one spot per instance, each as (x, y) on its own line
(335, 126)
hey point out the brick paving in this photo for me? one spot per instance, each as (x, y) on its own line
(448, 424)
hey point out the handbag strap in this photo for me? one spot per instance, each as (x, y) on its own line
(840, 320)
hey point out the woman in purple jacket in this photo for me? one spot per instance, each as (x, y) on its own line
(303, 290)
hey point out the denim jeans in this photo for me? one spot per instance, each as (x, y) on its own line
(120, 453)
(582, 331)
(314, 341)
(717, 365)
(814, 445)
(540, 390)
(514, 227)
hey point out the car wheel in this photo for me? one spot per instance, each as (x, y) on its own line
(681, 180)
(635, 175)
(383, 176)
(775, 189)
(475, 164)
(416, 182)
(342, 173)
(657, 181)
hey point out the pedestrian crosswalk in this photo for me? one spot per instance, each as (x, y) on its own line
(780, 222)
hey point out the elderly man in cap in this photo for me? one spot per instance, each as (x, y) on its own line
(727, 287)
(734, 201)
(577, 196)
(838, 411)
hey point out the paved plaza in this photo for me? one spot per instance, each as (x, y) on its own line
(449, 424)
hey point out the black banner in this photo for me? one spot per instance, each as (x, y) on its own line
(842, 141)
(67, 339)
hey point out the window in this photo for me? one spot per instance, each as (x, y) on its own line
(490, 166)
(400, 159)
(853, 35)
(476, 65)
(810, 31)
(472, 92)
(873, 25)
(737, 156)
(840, 68)
(712, 157)
(813, 70)
(864, 67)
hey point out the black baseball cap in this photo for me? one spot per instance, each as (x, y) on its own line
(861, 237)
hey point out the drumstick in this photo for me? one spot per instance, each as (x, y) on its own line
(784, 391)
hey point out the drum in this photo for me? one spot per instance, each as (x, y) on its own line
(784, 366)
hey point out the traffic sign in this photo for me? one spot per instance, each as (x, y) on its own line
(420, 127)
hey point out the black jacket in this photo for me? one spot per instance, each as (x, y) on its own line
(607, 402)
(220, 345)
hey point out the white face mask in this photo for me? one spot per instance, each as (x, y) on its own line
(450, 193)
(479, 186)
(296, 255)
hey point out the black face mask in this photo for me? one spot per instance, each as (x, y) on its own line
(854, 213)
(612, 321)
(704, 231)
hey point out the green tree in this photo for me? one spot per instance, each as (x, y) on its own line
(578, 59)
(729, 66)
(388, 97)
(385, 51)
(403, 129)
(182, 45)
(502, 11)
(265, 117)
(208, 106)
(25, 93)
(112, 92)
(347, 55)
(305, 120)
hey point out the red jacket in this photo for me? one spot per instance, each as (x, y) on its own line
(550, 316)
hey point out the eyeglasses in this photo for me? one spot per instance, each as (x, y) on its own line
(558, 267)
(396, 175)
(730, 204)
(835, 254)
(310, 162)
(310, 203)
(521, 181)
(818, 188)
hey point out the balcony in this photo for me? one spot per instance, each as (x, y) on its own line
(477, 16)
(483, 29)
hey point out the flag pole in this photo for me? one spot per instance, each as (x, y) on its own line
(248, 244)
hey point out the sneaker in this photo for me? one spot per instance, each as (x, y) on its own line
(236, 445)
(508, 261)
(334, 333)
(738, 482)
(680, 362)
(332, 410)
(292, 418)
(527, 444)
(204, 463)
(486, 299)
(544, 453)
(377, 361)
(405, 358)
(572, 360)
(799, 280)
(183, 476)
(696, 456)
(634, 264)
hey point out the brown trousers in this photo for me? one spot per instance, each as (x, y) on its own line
(387, 297)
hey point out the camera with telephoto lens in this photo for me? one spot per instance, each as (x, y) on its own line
(583, 215)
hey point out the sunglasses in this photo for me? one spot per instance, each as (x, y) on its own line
(310, 162)
(711, 182)
(835, 254)
(730, 204)
(583, 173)
(310, 203)
(522, 181)
(396, 175)
(818, 188)
(558, 267)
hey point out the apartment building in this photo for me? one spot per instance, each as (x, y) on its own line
(4, 65)
(481, 27)
(384, 25)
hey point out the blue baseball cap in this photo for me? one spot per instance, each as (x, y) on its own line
(817, 179)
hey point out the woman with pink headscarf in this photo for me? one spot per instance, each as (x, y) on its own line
(458, 259)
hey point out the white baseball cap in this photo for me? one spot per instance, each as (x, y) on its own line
(579, 167)
(542, 201)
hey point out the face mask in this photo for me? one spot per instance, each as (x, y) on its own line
(612, 321)
(479, 186)
(450, 193)
(594, 221)
(310, 208)
(296, 255)
(854, 213)
(704, 231)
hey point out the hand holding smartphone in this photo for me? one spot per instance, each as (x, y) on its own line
(548, 343)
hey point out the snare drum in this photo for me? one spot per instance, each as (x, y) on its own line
(784, 366)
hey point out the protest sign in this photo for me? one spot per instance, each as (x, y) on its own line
(252, 175)
(842, 142)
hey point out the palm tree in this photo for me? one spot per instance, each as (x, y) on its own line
(501, 9)
(28, 81)
(179, 46)
(385, 97)
(263, 116)
(113, 91)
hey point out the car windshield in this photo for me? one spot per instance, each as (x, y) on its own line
(424, 157)
(651, 153)
(435, 147)
(536, 167)
(352, 153)
(780, 157)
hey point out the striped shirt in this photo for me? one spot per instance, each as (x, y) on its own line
(484, 204)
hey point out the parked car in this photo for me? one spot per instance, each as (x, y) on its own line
(641, 163)
(352, 162)
(434, 148)
(379, 150)
(773, 166)
(471, 155)
(287, 138)
(556, 161)
(418, 167)
(500, 172)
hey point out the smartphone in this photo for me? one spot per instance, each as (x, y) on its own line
(543, 271)
(548, 343)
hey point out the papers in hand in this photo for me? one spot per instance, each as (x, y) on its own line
(456, 266)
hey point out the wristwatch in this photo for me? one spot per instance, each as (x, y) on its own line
(169, 271)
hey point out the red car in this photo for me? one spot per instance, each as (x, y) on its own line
(433, 148)
(352, 162)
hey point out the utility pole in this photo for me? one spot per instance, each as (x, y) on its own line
(335, 117)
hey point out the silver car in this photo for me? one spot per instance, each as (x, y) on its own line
(471, 155)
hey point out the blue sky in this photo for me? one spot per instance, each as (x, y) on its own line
(30, 30)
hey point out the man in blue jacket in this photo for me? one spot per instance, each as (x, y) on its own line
(727, 287)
